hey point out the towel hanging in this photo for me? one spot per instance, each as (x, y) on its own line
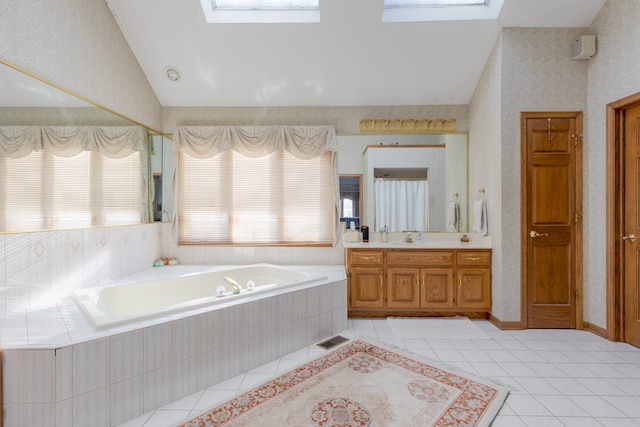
(453, 217)
(480, 221)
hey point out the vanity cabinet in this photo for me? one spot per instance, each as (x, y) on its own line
(414, 282)
(474, 280)
(366, 278)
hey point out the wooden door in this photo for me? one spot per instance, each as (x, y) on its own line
(366, 287)
(437, 288)
(403, 287)
(551, 211)
(474, 289)
(630, 247)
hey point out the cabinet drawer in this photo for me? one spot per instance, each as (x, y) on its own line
(473, 258)
(366, 257)
(418, 259)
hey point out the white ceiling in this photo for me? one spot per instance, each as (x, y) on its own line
(350, 58)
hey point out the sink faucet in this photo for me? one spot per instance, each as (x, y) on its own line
(235, 287)
(409, 238)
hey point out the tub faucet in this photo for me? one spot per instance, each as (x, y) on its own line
(235, 287)
(409, 238)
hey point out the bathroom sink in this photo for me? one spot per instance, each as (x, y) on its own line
(423, 243)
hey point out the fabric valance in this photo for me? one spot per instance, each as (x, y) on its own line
(305, 142)
(67, 141)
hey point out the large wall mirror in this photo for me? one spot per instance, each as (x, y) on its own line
(423, 176)
(26, 100)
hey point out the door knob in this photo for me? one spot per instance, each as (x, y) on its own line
(629, 237)
(534, 234)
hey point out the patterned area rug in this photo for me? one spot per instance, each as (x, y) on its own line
(437, 328)
(362, 384)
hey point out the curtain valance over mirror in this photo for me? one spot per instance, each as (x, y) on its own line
(305, 142)
(68, 141)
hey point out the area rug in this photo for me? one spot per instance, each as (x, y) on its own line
(438, 328)
(362, 384)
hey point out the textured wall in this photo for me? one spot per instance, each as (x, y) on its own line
(530, 69)
(538, 74)
(345, 119)
(614, 73)
(77, 45)
(484, 163)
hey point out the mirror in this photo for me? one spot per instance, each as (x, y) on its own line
(350, 200)
(26, 100)
(441, 158)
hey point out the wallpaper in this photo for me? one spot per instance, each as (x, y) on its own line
(484, 164)
(78, 45)
(345, 119)
(538, 74)
(614, 73)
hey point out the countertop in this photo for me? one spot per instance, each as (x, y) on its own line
(429, 241)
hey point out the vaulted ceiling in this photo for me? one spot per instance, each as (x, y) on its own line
(350, 58)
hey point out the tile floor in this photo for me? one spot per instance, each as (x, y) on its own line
(557, 377)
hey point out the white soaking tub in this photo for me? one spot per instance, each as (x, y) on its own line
(114, 305)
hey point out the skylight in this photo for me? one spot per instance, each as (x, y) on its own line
(261, 11)
(440, 10)
(264, 4)
(433, 3)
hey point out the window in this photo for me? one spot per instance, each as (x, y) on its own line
(264, 4)
(440, 10)
(433, 3)
(45, 191)
(276, 199)
(261, 11)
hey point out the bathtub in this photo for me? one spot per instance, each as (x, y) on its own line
(118, 304)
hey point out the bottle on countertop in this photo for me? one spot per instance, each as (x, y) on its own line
(365, 233)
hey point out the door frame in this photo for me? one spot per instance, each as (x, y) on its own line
(615, 215)
(524, 232)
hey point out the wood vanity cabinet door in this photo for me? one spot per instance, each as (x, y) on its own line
(473, 288)
(366, 287)
(365, 269)
(403, 287)
(437, 289)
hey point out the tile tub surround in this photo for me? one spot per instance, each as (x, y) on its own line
(38, 267)
(108, 377)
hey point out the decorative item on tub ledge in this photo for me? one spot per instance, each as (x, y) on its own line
(407, 125)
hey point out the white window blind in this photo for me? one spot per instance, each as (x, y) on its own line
(43, 191)
(276, 199)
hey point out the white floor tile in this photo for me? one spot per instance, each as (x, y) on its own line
(531, 421)
(580, 422)
(517, 369)
(556, 377)
(596, 406)
(508, 421)
(561, 406)
(618, 422)
(630, 406)
(524, 404)
(535, 385)
(164, 418)
(211, 398)
(601, 387)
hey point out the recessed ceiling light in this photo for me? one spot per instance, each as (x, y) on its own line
(172, 74)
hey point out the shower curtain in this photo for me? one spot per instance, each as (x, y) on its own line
(401, 204)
